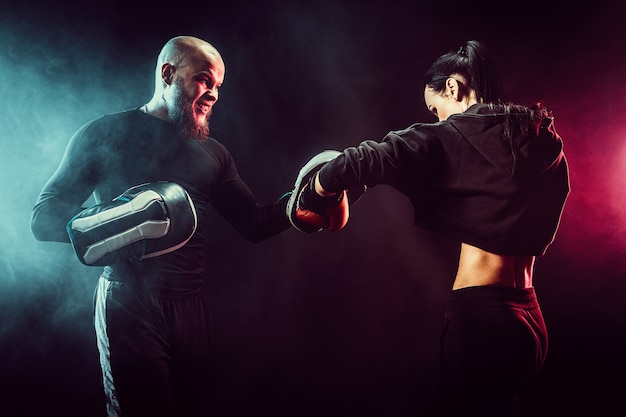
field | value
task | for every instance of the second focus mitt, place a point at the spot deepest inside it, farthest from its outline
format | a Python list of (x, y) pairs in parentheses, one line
[(145, 221)]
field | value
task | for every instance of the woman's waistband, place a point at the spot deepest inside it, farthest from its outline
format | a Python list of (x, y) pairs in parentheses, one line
[(492, 296)]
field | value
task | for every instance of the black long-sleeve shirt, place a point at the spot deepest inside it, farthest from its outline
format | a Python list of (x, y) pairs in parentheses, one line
[(493, 176), (118, 151)]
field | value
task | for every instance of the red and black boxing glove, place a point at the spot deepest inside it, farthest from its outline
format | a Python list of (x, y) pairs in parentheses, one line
[(321, 212), (309, 212)]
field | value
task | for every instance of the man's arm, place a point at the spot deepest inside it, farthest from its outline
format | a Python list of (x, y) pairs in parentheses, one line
[(254, 221), (63, 195)]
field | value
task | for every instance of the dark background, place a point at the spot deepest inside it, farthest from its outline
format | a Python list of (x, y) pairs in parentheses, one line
[(331, 324)]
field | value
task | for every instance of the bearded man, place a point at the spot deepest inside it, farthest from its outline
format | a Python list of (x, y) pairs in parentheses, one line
[(153, 172)]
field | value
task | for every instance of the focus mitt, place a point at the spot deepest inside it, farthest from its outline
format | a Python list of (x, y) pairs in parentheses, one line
[(145, 221)]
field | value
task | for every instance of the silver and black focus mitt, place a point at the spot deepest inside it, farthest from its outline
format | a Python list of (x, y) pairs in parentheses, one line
[(145, 221)]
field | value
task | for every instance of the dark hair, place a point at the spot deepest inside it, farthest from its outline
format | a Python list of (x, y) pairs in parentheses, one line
[(526, 118), (472, 61)]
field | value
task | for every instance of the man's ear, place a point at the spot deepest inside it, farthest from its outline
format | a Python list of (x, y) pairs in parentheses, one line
[(452, 88), (167, 73)]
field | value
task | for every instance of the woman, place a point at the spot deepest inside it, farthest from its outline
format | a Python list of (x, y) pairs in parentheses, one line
[(494, 177)]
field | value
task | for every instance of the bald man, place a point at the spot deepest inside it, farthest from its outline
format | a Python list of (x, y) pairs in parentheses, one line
[(151, 315)]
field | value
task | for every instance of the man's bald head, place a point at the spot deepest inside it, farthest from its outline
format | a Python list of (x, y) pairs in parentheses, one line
[(176, 49), (180, 49), (188, 76)]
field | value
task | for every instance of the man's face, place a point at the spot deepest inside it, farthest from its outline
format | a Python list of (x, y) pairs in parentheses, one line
[(181, 111), (195, 90)]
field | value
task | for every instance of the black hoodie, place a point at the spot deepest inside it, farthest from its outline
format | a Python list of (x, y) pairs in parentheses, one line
[(494, 176)]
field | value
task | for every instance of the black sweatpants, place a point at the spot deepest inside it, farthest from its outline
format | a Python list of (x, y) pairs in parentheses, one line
[(154, 351), (493, 342)]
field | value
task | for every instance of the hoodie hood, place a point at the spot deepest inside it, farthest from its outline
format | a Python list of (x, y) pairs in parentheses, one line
[(513, 139)]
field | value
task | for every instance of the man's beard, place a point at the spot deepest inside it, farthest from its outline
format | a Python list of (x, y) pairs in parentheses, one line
[(181, 114)]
